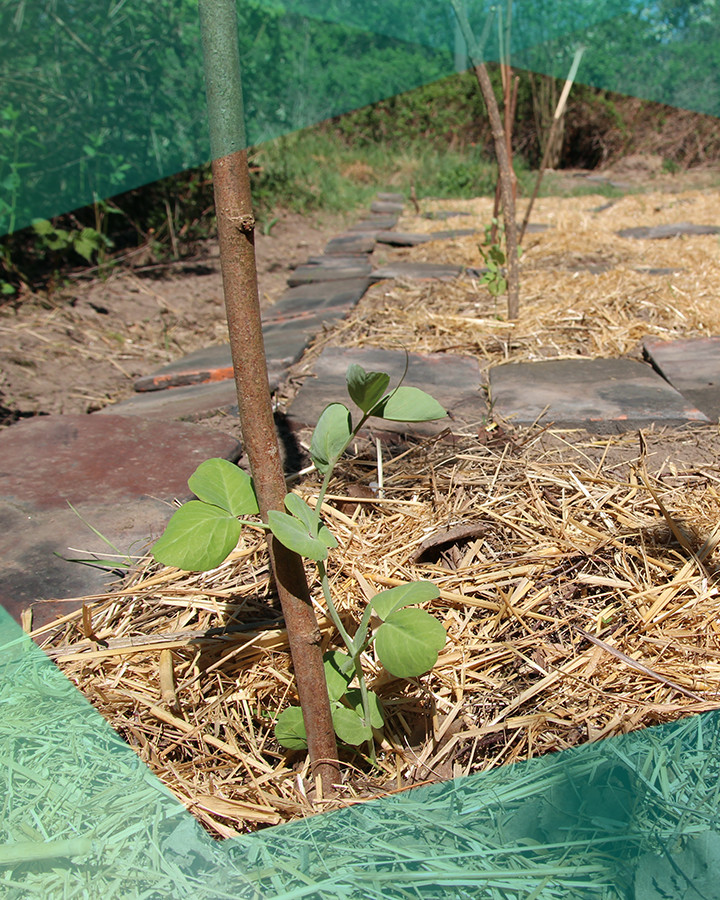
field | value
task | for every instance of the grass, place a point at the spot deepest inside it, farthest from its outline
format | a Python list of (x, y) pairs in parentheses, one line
[(315, 170)]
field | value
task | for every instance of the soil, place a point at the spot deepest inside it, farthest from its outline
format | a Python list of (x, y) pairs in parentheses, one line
[(81, 347)]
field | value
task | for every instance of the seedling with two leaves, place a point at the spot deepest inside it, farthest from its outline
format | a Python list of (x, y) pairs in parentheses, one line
[(203, 532)]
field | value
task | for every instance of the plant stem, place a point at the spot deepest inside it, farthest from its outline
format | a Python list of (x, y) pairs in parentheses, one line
[(355, 647), (236, 223), (559, 110), (332, 609)]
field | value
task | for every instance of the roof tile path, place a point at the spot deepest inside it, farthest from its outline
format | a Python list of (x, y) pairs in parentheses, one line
[(454, 381), (121, 476), (606, 395), (692, 367)]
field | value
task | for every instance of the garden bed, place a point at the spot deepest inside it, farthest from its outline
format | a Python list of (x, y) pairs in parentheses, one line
[(581, 604)]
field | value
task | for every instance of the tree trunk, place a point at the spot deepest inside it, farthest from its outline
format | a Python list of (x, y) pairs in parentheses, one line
[(236, 226), (505, 173), (506, 189)]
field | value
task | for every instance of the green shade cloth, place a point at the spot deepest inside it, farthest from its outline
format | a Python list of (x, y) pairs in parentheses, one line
[(631, 817), (105, 95)]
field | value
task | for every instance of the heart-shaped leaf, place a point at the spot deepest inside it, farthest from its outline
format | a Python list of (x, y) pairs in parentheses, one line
[(339, 672), (409, 404), (297, 507), (388, 601), (330, 437), (366, 388), (377, 718), (408, 642), (198, 537), (290, 729), (326, 537), (295, 536), (224, 484), (349, 726)]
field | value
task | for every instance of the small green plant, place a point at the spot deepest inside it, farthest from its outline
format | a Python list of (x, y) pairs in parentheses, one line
[(493, 254), (84, 241), (407, 640)]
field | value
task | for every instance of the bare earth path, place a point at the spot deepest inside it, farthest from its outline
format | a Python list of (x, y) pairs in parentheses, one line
[(81, 348)]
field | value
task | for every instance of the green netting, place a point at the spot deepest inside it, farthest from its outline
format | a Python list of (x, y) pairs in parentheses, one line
[(630, 817), (105, 95)]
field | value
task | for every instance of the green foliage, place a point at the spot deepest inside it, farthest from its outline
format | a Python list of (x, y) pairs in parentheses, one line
[(290, 729), (494, 279), (386, 602), (331, 436), (301, 530), (366, 389), (198, 537), (85, 241), (219, 482), (408, 641), (203, 532), (493, 254), (409, 404)]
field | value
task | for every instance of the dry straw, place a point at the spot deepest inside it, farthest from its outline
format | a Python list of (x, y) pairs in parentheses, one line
[(579, 594)]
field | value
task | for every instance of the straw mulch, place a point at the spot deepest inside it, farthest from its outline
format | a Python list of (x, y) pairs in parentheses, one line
[(567, 307), (578, 573)]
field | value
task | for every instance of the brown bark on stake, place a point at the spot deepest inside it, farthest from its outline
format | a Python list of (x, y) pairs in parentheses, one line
[(508, 201), (236, 225), (498, 133)]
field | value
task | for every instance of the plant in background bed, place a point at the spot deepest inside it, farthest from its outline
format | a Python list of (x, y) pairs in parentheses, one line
[(203, 532)]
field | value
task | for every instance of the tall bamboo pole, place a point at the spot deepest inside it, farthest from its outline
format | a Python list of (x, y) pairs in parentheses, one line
[(236, 234)]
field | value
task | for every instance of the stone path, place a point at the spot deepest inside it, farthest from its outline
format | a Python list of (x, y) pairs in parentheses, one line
[(454, 381), (596, 394), (121, 476), (122, 467)]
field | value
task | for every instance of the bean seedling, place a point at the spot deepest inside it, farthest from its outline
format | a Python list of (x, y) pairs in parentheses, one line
[(203, 532)]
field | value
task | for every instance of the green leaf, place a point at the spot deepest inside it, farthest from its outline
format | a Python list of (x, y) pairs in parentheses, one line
[(84, 248), (87, 242), (43, 227), (366, 388), (326, 537), (497, 255), (377, 718), (332, 432), (408, 642), (409, 404), (349, 726), (302, 511), (295, 536), (339, 672), (388, 601), (58, 241), (297, 507), (224, 484), (198, 537), (290, 729)]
